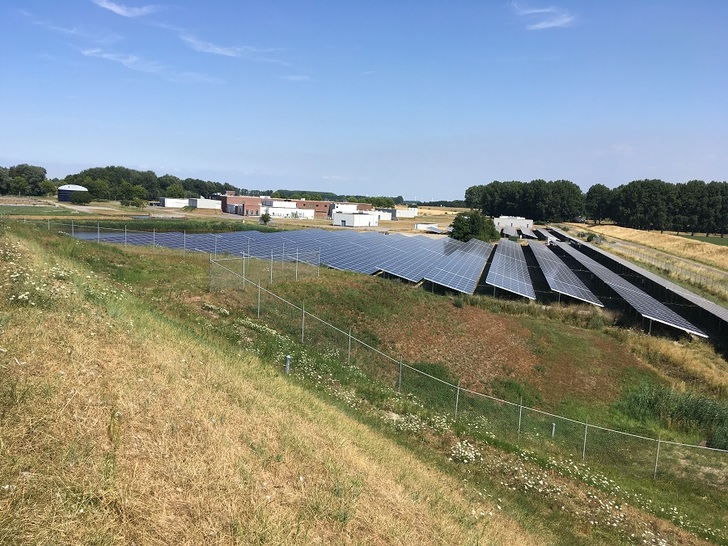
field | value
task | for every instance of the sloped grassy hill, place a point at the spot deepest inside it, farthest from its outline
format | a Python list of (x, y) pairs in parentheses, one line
[(133, 411), (119, 425)]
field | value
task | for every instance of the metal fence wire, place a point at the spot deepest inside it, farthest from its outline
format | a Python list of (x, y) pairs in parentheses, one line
[(488, 417), (483, 416)]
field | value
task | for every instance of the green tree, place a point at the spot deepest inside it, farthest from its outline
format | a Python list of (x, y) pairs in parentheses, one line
[(33, 175), (175, 191), (598, 202), (4, 181), (265, 218), (19, 186), (473, 225), (48, 188), (138, 192)]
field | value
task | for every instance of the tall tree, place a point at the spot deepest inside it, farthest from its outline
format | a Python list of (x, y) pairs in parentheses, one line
[(33, 175), (473, 225), (597, 202)]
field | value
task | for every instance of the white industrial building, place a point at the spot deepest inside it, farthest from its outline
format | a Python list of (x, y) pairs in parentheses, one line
[(202, 203), (285, 209), (512, 221), (355, 219), (173, 203)]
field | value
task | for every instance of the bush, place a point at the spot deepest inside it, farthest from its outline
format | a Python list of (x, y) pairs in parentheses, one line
[(81, 198)]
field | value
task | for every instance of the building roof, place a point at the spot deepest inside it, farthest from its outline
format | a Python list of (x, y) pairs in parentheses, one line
[(72, 187)]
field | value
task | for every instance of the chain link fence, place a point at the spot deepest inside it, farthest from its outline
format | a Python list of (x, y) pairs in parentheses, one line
[(480, 415)]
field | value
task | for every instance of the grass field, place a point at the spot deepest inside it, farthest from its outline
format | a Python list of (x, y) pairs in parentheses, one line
[(30, 210), (715, 240), (160, 414)]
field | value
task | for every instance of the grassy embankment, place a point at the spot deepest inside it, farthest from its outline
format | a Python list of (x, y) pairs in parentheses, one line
[(120, 424), (512, 477)]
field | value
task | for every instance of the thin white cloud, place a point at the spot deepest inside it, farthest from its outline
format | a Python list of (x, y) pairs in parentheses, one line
[(125, 11), (252, 53), (139, 64), (545, 18), (91, 36), (208, 47), (297, 78), (132, 62)]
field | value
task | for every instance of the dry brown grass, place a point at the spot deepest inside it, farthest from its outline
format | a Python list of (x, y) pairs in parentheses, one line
[(119, 426), (696, 365), (698, 251)]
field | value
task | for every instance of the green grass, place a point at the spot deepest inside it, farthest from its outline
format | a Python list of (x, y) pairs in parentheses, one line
[(715, 239), (174, 285), (27, 210)]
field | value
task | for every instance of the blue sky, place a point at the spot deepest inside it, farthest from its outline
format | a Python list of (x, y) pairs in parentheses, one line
[(417, 98)]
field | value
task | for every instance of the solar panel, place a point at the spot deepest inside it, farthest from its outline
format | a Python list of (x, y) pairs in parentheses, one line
[(559, 277), (460, 267), (707, 305), (509, 231), (509, 271), (526, 232), (643, 303)]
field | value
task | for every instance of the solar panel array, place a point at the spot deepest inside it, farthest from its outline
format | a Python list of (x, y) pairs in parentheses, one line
[(707, 305), (509, 270), (559, 277), (643, 303), (443, 261), (526, 232)]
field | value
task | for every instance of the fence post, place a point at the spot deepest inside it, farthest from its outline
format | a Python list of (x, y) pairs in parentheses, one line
[(215, 236), (520, 415), (288, 364), (348, 354), (209, 281), (49, 225), (318, 266), (283, 255), (303, 321), (583, 449), (243, 271), (657, 455), (184, 242), (154, 238), (399, 382), (73, 229), (457, 400), (297, 263), (258, 298), (271, 266), (124, 235), (98, 233)]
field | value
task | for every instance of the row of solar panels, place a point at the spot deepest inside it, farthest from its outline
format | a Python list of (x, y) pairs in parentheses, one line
[(442, 261)]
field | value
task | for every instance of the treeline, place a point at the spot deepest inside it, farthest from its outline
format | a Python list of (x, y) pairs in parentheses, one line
[(378, 201), (555, 201), (124, 184), (693, 207)]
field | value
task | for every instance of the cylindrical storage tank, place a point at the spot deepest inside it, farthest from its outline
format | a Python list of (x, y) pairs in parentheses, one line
[(65, 192)]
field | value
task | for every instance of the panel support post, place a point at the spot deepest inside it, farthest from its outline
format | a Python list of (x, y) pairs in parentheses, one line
[(583, 449), (457, 400), (657, 456)]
